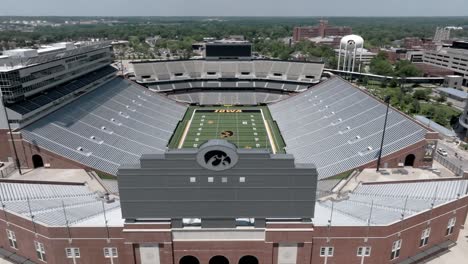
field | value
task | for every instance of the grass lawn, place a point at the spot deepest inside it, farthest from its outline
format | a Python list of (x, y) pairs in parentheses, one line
[(246, 127)]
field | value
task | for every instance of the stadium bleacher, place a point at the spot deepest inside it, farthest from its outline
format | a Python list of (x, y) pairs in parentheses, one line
[(391, 202), (54, 204), (51, 95), (228, 98), (112, 125), (305, 72), (186, 85), (342, 125)]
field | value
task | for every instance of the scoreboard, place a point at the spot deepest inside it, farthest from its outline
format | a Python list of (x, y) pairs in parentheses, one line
[(241, 50)]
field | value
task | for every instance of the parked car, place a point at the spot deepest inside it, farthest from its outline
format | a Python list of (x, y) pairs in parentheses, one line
[(442, 152)]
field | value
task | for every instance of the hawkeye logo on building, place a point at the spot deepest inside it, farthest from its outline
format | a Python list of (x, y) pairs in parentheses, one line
[(228, 111), (217, 157)]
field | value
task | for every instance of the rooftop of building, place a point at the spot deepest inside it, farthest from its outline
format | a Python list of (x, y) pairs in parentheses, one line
[(454, 92), (369, 198), (25, 57)]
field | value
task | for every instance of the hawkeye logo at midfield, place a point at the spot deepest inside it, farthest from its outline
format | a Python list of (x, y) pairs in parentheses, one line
[(228, 111)]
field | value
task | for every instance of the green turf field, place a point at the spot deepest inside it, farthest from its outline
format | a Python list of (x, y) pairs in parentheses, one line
[(246, 127)]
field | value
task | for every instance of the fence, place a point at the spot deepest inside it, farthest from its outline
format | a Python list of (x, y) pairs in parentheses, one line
[(457, 169)]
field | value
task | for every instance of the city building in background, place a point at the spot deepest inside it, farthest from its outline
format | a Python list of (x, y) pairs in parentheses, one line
[(453, 59), (323, 30)]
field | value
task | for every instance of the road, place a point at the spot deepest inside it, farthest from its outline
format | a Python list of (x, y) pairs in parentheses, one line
[(462, 156)]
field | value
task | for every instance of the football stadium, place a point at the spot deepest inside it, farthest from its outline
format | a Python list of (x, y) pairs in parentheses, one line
[(226, 159)]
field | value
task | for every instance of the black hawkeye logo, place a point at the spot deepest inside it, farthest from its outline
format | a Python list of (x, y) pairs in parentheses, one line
[(217, 159)]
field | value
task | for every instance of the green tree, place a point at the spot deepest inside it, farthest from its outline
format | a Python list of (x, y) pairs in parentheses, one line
[(441, 117), (405, 68), (415, 106), (381, 67), (393, 83), (442, 98), (421, 95)]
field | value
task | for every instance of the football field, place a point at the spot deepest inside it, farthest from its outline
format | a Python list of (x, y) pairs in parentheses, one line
[(245, 127)]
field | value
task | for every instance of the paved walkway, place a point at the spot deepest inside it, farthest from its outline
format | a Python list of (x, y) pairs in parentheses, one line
[(59, 175), (370, 175), (457, 254)]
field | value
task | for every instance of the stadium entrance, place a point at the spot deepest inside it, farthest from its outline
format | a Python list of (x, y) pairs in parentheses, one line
[(248, 260), (37, 161), (219, 260), (409, 160), (189, 260)]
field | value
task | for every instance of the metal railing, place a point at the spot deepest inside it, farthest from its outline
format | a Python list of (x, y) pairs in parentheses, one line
[(457, 169)]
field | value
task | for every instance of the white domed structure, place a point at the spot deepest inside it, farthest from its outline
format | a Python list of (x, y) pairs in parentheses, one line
[(351, 46)]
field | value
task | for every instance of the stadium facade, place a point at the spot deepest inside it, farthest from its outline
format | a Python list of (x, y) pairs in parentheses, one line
[(258, 192)]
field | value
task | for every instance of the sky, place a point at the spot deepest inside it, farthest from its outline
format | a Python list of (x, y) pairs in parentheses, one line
[(233, 8)]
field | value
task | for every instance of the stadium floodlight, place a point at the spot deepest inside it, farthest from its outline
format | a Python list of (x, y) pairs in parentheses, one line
[(387, 101)]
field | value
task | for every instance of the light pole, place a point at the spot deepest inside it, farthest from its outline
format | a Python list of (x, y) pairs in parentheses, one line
[(18, 165), (387, 101)]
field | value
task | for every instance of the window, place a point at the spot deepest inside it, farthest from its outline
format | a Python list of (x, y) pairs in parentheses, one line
[(12, 239), (224, 179), (363, 251), (424, 237), (210, 179), (193, 179), (110, 252), (40, 251), (72, 253), (241, 179), (396, 249), (450, 226), (326, 251)]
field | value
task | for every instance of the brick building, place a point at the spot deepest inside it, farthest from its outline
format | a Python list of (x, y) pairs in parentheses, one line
[(323, 30), (392, 236)]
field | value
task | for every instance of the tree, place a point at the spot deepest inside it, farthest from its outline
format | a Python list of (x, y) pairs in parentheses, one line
[(365, 80), (381, 67), (393, 83), (384, 83), (405, 68), (421, 95), (415, 106), (442, 98), (441, 117)]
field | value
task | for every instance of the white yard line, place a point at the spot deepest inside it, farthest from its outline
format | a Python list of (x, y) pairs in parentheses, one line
[(237, 129), (267, 127), (187, 128), (217, 127)]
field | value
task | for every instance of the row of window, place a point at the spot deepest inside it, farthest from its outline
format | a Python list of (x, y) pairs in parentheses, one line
[(73, 253), (361, 251), (211, 179), (111, 252), (396, 245)]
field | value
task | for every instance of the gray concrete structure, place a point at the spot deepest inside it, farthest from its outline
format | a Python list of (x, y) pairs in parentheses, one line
[(217, 183)]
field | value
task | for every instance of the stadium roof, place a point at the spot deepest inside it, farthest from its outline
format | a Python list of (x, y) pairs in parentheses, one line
[(110, 126), (14, 63), (338, 127)]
